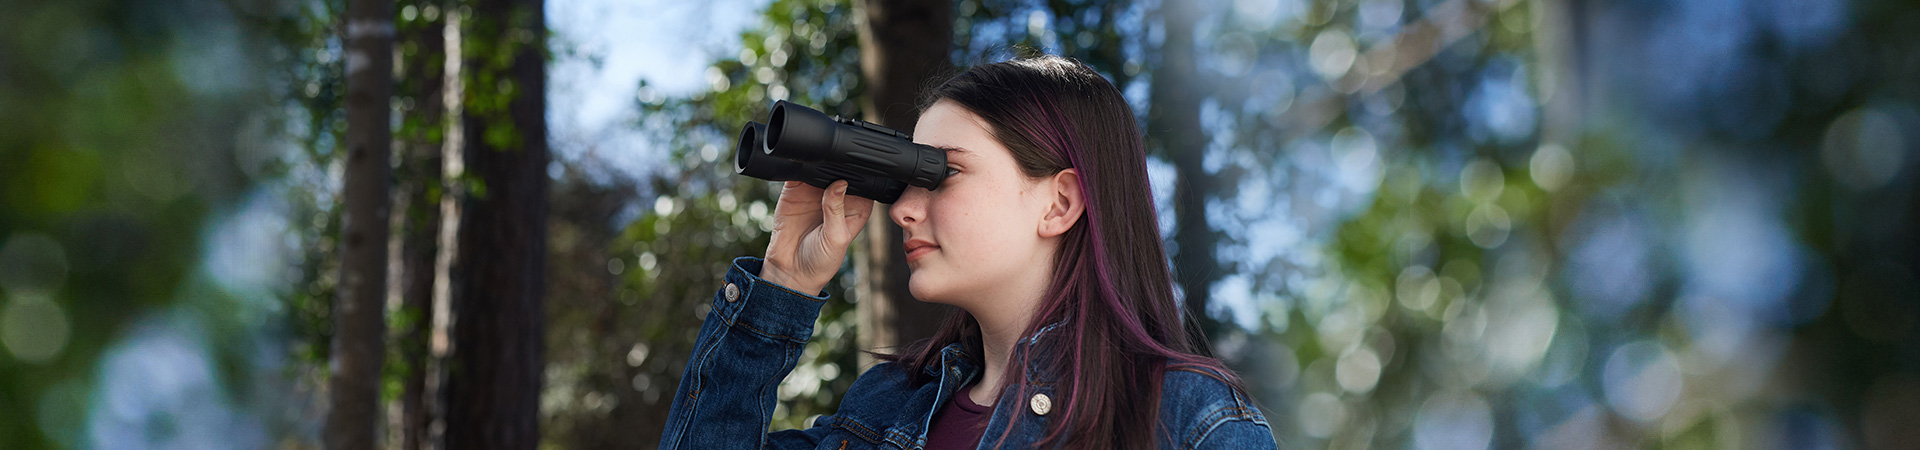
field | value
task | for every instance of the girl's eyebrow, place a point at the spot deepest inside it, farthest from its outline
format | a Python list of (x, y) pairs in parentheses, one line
[(953, 149)]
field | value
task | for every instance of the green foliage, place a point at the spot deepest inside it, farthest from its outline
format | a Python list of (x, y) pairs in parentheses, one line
[(118, 151), (1440, 284), (310, 84)]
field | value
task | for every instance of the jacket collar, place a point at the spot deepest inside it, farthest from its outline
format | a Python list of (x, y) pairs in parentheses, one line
[(955, 356)]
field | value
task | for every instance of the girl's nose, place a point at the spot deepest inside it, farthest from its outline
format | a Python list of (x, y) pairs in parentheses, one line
[(911, 207)]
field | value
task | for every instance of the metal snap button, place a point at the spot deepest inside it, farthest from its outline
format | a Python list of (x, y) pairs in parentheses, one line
[(733, 293), (1041, 404)]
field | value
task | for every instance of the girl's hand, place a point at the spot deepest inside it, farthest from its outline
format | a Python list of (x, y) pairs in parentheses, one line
[(812, 228)]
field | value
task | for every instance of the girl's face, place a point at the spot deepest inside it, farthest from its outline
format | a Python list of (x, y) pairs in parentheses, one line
[(981, 235)]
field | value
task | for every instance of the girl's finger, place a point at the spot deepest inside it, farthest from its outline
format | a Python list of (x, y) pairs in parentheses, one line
[(833, 205), (858, 210)]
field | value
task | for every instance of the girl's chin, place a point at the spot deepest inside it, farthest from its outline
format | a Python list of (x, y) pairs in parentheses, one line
[(923, 295), (920, 289)]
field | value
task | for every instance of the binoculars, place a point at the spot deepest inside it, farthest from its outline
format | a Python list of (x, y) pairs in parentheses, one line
[(801, 144)]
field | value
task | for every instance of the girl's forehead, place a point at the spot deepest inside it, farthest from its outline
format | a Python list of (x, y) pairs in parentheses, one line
[(960, 132)]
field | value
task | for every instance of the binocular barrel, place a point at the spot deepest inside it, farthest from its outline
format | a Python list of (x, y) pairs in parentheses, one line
[(751, 159), (801, 144)]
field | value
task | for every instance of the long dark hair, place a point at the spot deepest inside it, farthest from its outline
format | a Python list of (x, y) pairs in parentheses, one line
[(1112, 292)]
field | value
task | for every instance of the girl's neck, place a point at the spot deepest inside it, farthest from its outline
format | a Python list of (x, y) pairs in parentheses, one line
[(1003, 314), (997, 338)]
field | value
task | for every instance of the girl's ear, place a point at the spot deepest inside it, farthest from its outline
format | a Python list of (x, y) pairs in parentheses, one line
[(1066, 206)]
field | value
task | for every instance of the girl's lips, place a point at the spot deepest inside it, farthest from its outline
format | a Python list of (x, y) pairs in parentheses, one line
[(918, 248)]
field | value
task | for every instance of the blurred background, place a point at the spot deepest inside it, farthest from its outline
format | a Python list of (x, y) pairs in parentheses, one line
[(1427, 224)]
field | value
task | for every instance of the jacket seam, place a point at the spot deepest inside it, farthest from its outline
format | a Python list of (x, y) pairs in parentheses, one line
[(859, 430), (765, 391), (702, 364), (1220, 417), (705, 363)]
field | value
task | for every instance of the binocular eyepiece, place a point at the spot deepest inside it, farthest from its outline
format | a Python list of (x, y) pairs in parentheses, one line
[(801, 144)]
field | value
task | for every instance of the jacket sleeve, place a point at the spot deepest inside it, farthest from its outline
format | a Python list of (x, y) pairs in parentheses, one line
[(747, 345)]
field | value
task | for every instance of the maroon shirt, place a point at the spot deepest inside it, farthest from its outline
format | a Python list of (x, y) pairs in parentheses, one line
[(959, 424)]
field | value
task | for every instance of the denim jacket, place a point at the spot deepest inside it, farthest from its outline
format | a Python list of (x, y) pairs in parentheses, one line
[(758, 329)]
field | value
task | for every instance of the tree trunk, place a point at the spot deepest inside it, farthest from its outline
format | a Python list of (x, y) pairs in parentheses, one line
[(1173, 123), (359, 328), (453, 167), (903, 44), (499, 273), (1561, 44), (419, 204)]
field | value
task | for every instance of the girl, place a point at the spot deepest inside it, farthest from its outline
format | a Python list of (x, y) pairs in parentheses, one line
[(1046, 239)]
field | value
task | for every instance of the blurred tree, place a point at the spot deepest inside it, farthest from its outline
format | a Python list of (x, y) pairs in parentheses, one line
[(498, 274), (421, 95), (359, 338), (903, 45), (590, 316), (1174, 132)]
